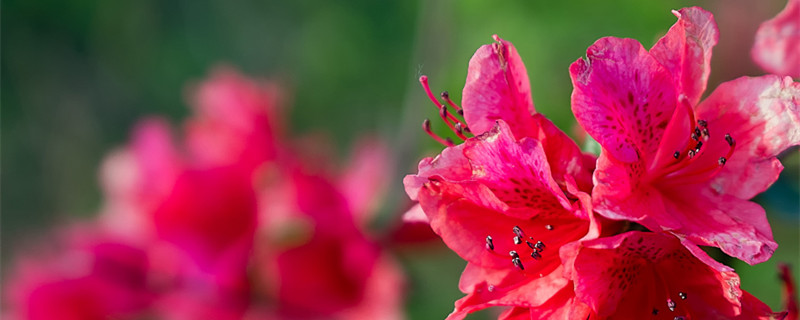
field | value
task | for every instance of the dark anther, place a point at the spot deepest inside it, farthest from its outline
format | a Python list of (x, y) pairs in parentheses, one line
[(517, 240), (459, 128), (445, 95), (539, 245), (702, 123), (722, 161), (513, 254), (517, 262), (698, 146), (676, 155), (536, 255), (549, 227), (489, 243), (730, 140), (697, 131), (518, 232), (426, 124), (466, 129), (705, 132), (692, 153), (460, 112), (655, 311), (695, 136), (671, 305), (530, 244), (682, 295)]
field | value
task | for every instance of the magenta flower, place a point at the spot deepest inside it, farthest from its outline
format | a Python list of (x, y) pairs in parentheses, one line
[(645, 275), (498, 199), (82, 275), (317, 261), (672, 164), (777, 45)]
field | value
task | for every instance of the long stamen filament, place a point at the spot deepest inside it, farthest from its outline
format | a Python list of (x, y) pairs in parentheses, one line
[(426, 126)]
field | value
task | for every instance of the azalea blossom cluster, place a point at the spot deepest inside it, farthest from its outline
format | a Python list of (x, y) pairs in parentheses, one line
[(230, 221), (551, 232)]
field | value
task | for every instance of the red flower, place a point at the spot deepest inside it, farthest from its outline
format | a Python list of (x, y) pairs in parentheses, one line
[(670, 163), (498, 199), (85, 275), (644, 275), (316, 260), (777, 45)]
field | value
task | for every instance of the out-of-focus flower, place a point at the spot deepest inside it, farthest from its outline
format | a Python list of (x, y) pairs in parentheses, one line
[(202, 226), (80, 275), (777, 45), (498, 199), (316, 259), (672, 164)]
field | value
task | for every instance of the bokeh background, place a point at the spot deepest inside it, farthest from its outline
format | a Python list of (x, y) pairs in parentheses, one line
[(76, 76)]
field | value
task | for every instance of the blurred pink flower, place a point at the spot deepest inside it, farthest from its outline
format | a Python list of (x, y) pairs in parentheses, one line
[(210, 219), (81, 275), (670, 163), (777, 45), (316, 259)]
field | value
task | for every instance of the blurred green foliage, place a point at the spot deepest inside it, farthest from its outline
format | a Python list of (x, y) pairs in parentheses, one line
[(76, 75)]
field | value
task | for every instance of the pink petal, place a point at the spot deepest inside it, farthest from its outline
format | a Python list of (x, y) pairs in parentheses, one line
[(777, 45), (518, 174), (621, 195), (630, 275), (534, 292), (738, 227), (450, 165), (686, 50), (563, 155), (497, 87), (210, 214), (563, 305), (237, 120), (515, 313), (465, 224), (763, 115), (623, 98), (366, 177)]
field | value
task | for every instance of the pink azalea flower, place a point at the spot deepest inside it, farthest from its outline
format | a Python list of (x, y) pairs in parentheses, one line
[(317, 262), (498, 199), (82, 275), (237, 120), (777, 45), (644, 275), (671, 163)]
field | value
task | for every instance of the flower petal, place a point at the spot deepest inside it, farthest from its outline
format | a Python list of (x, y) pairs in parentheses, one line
[(517, 173), (623, 98), (464, 225), (777, 45), (763, 116), (497, 87), (366, 177), (530, 293), (633, 276), (686, 50)]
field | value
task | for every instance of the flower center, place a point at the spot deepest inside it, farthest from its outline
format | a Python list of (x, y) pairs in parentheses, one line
[(456, 125), (519, 252), (692, 164)]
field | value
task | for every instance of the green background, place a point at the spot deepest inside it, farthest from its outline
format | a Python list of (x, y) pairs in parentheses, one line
[(76, 75)]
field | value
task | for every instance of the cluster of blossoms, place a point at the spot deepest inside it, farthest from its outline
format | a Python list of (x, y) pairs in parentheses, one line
[(230, 223), (551, 232)]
